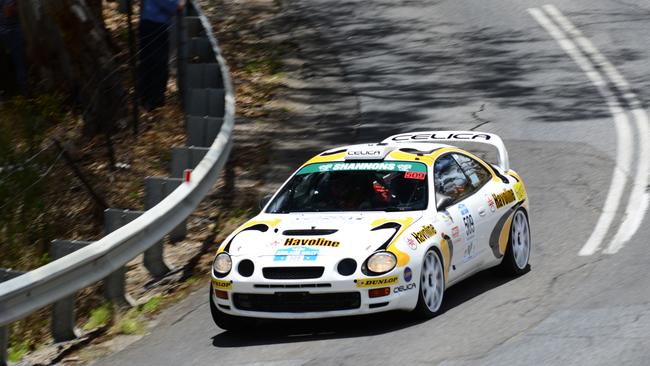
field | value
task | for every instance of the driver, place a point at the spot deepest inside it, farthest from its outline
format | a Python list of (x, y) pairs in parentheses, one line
[(350, 190)]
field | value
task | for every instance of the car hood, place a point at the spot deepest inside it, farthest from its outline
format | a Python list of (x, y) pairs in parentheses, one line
[(308, 235)]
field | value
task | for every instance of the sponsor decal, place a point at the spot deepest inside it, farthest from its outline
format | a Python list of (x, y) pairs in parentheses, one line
[(398, 166), (404, 167), (408, 274), (402, 288), (325, 167), (463, 209), (455, 232), (425, 233), (504, 198), (412, 243), (442, 136), (375, 282), (415, 175), (320, 242), (222, 285), (467, 254), (490, 202), (364, 153), (295, 253)]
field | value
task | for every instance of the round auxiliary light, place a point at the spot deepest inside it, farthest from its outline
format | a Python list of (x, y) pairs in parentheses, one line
[(222, 264), (381, 262), (246, 268), (347, 266)]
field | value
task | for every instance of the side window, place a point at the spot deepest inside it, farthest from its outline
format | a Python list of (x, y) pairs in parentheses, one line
[(449, 179), (476, 172)]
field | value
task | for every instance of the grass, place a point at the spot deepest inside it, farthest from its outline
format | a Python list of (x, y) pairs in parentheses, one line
[(131, 323), (16, 352), (152, 305), (99, 317), (134, 320), (263, 66)]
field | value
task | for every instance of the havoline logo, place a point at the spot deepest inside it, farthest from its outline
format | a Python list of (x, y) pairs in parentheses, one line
[(425, 233), (320, 242), (504, 198)]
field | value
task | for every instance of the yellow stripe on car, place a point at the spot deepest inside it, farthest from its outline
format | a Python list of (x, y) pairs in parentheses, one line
[(269, 223), (402, 258), (446, 256), (325, 158), (505, 233)]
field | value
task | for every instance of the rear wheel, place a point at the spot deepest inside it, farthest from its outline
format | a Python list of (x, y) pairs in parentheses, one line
[(229, 322), (432, 285), (515, 260)]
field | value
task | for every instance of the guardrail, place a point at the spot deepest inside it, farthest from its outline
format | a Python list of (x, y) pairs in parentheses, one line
[(209, 105)]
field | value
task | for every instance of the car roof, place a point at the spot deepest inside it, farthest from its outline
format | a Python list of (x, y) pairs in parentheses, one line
[(391, 152)]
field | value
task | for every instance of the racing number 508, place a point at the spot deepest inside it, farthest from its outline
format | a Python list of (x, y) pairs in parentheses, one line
[(469, 224)]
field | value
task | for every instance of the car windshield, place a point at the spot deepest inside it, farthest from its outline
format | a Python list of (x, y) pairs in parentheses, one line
[(354, 186)]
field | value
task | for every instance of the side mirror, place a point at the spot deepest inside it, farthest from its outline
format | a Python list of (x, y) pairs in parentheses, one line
[(444, 202), (265, 200)]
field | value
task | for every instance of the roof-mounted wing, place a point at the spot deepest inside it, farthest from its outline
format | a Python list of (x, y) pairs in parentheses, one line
[(455, 136)]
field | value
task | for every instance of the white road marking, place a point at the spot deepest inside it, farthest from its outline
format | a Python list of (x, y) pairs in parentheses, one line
[(621, 121), (639, 198)]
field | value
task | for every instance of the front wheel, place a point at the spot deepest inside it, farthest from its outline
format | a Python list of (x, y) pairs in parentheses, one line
[(229, 322), (432, 285), (515, 260)]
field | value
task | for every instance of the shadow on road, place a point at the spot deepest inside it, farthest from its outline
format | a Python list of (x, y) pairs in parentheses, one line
[(291, 331)]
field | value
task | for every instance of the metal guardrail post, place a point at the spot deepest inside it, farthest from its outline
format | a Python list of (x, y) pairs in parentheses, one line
[(204, 102), (186, 158), (63, 325), (114, 284), (201, 131), (155, 190), (5, 275)]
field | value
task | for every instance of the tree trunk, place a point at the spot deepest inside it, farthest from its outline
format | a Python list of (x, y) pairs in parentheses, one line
[(68, 46)]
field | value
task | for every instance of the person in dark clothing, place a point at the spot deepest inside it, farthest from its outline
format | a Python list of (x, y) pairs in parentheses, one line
[(11, 37), (153, 70)]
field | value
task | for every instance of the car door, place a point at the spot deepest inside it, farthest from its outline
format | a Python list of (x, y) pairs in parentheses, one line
[(483, 204), (455, 198)]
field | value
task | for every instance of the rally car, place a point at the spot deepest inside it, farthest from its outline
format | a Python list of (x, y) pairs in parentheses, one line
[(374, 227)]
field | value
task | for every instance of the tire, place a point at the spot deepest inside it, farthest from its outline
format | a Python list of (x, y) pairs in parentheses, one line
[(229, 322), (432, 286), (515, 260)]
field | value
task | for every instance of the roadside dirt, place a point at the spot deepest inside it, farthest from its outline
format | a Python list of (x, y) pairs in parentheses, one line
[(292, 101)]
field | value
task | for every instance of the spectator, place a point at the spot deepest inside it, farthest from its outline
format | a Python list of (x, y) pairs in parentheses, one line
[(155, 20), (11, 37)]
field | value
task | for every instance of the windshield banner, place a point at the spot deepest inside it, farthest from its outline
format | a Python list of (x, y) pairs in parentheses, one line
[(393, 166)]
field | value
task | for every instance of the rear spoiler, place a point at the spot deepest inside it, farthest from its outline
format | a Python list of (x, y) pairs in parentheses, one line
[(455, 136)]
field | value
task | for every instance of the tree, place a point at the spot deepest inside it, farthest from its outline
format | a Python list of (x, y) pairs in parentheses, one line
[(71, 53)]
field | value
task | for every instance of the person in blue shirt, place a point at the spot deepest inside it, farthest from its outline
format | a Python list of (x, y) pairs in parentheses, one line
[(11, 37), (153, 71)]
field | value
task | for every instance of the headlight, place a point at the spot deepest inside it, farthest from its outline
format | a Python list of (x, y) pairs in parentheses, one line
[(222, 264), (381, 262)]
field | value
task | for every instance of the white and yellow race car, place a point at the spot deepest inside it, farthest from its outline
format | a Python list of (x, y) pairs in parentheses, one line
[(374, 227)]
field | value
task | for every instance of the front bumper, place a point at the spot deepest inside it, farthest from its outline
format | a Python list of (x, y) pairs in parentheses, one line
[(306, 299)]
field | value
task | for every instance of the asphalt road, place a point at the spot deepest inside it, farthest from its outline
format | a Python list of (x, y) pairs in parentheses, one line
[(386, 66)]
